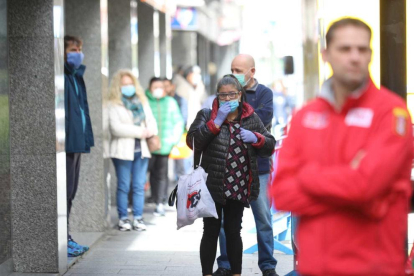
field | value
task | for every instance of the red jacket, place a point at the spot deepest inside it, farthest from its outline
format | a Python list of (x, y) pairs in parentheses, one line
[(352, 217)]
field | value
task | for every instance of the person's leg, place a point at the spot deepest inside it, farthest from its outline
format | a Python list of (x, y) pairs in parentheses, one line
[(233, 214), (154, 175), (72, 181), (264, 227), (162, 178), (151, 165), (139, 169), (208, 245), (179, 169), (123, 175), (222, 260)]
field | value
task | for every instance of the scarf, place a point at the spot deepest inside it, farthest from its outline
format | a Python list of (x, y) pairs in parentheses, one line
[(135, 106)]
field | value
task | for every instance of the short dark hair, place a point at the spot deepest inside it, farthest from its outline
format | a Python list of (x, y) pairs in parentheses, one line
[(232, 80), (72, 39), (154, 79), (167, 79), (347, 21)]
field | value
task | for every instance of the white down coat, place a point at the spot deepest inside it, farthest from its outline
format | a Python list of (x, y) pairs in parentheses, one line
[(124, 131)]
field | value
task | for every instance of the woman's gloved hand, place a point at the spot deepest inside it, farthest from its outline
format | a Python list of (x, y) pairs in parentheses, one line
[(222, 113), (248, 136)]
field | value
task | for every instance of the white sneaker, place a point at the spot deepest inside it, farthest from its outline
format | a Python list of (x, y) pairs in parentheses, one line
[(139, 225), (124, 225), (159, 211)]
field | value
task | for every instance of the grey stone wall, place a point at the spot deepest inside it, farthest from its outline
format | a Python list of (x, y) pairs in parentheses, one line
[(146, 58), (119, 33), (184, 48), (5, 235), (82, 18), (33, 159)]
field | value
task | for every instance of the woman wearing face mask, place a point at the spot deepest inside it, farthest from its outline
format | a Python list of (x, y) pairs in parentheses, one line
[(130, 122), (230, 136), (170, 128)]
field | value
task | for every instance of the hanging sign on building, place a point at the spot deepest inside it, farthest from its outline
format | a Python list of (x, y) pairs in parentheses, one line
[(185, 19)]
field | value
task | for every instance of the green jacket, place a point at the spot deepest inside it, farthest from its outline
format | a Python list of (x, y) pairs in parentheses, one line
[(169, 121)]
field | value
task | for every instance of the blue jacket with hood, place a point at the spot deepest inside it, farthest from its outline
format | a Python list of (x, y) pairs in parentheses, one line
[(78, 126)]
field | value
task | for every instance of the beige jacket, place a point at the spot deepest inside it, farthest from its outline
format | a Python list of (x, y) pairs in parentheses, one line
[(124, 131)]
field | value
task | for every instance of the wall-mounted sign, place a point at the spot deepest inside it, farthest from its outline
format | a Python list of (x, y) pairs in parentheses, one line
[(185, 19)]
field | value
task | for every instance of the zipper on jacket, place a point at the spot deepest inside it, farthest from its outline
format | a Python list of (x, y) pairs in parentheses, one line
[(227, 156), (250, 171)]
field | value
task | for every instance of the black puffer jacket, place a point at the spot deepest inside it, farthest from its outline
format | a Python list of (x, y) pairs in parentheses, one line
[(214, 144)]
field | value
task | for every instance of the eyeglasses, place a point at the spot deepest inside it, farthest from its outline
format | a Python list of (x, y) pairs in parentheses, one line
[(231, 95)]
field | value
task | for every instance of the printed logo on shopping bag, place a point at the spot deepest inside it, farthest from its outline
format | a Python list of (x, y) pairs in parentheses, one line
[(193, 199)]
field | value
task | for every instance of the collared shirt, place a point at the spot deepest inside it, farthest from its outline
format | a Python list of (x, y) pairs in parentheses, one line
[(254, 87)]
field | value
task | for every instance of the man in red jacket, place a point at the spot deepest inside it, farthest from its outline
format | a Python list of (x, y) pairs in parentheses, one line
[(344, 169)]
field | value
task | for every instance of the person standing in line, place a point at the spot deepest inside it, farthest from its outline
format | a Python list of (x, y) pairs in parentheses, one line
[(78, 126), (181, 166), (260, 98), (190, 86), (170, 128), (230, 137), (351, 189), (130, 122)]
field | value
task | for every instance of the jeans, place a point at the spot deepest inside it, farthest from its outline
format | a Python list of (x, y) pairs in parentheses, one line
[(126, 169), (232, 214), (264, 229), (73, 161), (159, 177)]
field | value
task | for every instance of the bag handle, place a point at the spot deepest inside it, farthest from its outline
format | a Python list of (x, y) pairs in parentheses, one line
[(201, 156), (173, 197)]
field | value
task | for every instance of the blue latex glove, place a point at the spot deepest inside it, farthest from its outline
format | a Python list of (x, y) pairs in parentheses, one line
[(248, 136), (222, 113)]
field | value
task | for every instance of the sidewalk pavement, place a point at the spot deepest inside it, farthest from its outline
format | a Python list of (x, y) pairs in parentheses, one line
[(162, 250)]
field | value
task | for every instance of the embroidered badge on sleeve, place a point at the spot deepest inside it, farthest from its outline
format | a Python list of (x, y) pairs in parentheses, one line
[(400, 120)]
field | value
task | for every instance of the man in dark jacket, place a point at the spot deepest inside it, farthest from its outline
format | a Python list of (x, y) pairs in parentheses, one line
[(260, 98), (78, 127)]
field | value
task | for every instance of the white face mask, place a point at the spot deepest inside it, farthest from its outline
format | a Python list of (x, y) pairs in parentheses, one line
[(196, 79), (158, 93)]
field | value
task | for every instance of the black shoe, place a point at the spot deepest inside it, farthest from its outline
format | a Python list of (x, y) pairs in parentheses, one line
[(222, 272), (270, 272)]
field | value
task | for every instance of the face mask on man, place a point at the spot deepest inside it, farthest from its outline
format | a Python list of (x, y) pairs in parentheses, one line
[(75, 59), (234, 104), (241, 78), (158, 93), (128, 90)]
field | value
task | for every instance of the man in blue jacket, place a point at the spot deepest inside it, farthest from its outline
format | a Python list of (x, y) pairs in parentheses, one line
[(260, 98), (78, 127)]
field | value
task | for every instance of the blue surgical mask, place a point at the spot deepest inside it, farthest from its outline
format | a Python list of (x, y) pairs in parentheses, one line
[(75, 59), (128, 90), (234, 104)]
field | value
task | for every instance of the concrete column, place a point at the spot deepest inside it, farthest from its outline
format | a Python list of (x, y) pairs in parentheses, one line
[(203, 60), (37, 191), (119, 34), (82, 18), (184, 48), (146, 56), (5, 211), (165, 45), (310, 49), (393, 25)]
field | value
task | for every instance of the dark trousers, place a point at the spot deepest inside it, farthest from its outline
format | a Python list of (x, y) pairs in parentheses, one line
[(158, 168), (73, 161), (233, 214)]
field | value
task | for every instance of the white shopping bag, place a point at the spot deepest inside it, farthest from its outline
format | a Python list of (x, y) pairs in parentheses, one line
[(193, 198)]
